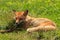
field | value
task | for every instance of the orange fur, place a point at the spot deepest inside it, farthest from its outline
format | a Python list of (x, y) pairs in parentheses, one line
[(36, 23)]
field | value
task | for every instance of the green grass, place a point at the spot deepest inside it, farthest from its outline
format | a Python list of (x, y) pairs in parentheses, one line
[(37, 8)]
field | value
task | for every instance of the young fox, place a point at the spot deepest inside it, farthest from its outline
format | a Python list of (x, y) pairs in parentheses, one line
[(36, 23)]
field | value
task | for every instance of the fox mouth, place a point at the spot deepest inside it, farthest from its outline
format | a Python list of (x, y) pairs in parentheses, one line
[(21, 21)]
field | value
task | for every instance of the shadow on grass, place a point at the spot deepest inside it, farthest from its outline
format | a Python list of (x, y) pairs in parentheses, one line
[(12, 26)]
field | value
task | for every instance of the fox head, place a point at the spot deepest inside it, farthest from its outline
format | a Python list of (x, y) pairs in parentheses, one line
[(20, 16)]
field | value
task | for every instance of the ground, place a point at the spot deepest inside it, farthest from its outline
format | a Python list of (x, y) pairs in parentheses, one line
[(37, 8)]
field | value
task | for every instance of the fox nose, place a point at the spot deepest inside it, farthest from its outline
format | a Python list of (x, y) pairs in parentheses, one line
[(16, 23)]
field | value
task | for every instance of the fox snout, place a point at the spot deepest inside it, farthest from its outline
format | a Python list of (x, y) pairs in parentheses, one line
[(17, 21)]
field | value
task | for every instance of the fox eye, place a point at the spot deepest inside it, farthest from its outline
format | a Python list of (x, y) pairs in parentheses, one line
[(16, 18)]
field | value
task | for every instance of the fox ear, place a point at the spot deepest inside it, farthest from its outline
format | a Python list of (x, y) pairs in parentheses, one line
[(25, 12), (14, 10)]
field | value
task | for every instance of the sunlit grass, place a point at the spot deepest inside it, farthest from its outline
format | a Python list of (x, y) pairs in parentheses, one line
[(37, 8)]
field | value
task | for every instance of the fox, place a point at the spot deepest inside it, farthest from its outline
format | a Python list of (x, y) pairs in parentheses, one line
[(33, 24)]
